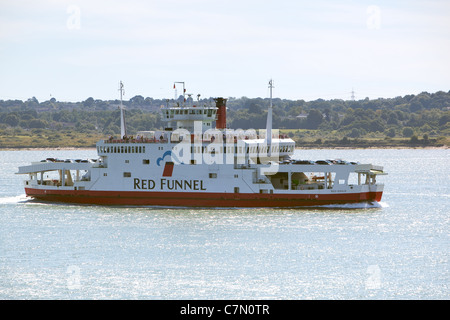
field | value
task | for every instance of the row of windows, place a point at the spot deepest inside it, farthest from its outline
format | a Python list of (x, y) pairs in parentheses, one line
[(144, 161), (265, 149), (211, 175), (171, 112), (253, 149), (194, 149), (214, 175), (121, 149)]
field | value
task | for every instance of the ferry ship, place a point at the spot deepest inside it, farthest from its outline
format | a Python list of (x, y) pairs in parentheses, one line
[(196, 161)]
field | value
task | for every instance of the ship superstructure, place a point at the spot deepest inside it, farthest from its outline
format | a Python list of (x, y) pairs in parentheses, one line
[(196, 161)]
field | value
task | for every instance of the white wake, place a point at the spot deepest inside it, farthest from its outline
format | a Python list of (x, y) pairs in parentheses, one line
[(360, 205), (14, 199)]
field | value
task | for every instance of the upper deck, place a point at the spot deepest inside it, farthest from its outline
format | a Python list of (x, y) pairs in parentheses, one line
[(192, 113), (186, 115)]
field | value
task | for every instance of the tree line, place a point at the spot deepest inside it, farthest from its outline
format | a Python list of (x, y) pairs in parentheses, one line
[(418, 117)]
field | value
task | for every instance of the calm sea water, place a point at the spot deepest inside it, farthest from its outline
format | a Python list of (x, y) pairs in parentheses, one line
[(396, 250)]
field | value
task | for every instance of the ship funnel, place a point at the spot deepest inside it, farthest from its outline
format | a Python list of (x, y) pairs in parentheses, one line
[(221, 104)]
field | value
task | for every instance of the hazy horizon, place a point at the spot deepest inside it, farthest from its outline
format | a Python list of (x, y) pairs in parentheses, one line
[(73, 50)]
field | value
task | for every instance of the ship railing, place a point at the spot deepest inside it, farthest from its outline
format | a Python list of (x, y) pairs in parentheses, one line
[(154, 140), (164, 140), (143, 140)]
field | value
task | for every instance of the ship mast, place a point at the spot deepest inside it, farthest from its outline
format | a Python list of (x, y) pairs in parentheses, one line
[(123, 128), (184, 90), (269, 119)]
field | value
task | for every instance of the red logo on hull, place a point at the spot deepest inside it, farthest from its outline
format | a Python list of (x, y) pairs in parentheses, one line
[(168, 169)]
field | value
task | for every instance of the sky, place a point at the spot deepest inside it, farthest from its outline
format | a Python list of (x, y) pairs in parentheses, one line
[(72, 50)]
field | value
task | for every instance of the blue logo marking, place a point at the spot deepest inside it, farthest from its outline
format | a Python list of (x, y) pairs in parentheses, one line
[(167, 153)]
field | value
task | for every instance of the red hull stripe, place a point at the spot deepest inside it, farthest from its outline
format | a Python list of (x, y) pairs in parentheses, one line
[(198, 199)]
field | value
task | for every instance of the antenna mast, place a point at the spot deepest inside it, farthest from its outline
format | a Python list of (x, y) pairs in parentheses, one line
[(269, 118), (123, 128)]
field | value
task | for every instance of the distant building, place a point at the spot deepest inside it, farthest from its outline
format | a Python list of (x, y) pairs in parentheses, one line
[(302, 115)]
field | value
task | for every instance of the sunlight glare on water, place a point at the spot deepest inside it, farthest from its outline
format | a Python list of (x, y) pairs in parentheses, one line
[(395, 249)]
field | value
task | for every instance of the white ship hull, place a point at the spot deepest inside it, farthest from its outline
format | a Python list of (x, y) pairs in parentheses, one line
[(146, 178)]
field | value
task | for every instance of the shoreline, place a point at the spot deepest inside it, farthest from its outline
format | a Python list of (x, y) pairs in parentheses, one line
[(297, 148), (46, 148), (381, 148)]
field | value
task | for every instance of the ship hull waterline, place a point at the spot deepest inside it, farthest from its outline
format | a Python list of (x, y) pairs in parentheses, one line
[(199, 199)]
